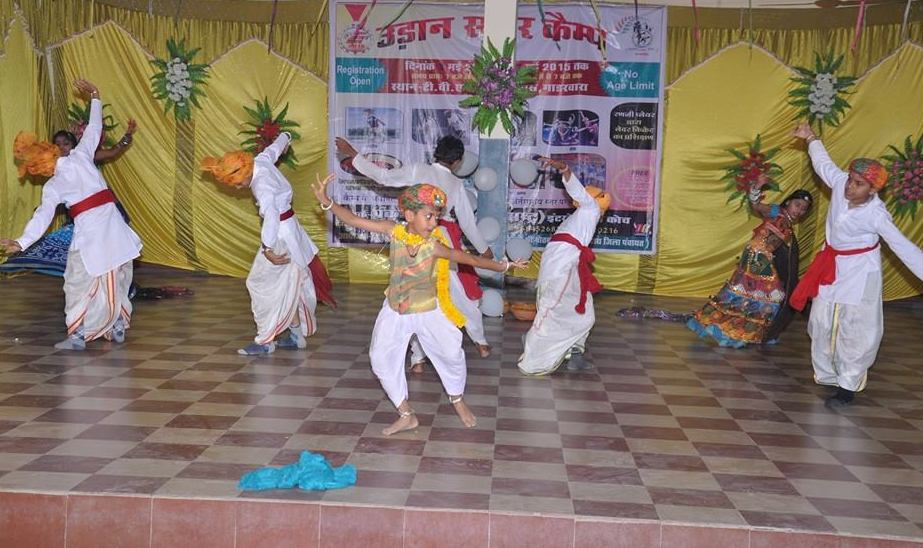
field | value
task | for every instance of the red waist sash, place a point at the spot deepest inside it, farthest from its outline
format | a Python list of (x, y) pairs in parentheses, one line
[(588, 282), (93, 200), (287, 215), (323, 287), (821, 272), (466, 274)]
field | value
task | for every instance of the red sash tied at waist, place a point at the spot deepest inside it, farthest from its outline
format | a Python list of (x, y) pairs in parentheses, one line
[(93, 200), (323, 287), (821, 272), (588, 282), (466, 273), (287, 215)]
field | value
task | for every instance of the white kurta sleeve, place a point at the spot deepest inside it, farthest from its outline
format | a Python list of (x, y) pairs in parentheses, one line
[(400, 177), (41, 218), (578, 193), (906, 251), (93, 132), (824, 166), (269, 234), (276, 149), (466, 220)]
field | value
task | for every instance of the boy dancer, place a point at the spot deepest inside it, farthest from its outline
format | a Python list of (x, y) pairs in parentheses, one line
[(845, 277), (565, 312), (99, 261), (466, 292), (287, 277), (417, 300)]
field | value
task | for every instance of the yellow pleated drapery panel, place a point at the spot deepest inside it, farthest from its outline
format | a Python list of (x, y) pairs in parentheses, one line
[(19, 70), (722, 92)]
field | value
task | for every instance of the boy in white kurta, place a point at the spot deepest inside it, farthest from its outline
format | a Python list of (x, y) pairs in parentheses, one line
[(466, 292), (286, 278), (99, 262), (844, 279), (564, 298), (417, 301)]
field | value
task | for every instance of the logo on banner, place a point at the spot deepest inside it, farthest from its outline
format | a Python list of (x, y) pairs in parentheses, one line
[(355, 38), (638, 28)]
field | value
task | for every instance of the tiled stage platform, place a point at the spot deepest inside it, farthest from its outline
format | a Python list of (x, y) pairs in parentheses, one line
[(669, 441)]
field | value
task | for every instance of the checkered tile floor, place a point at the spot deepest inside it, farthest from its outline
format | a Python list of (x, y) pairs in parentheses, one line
[(666, 427)]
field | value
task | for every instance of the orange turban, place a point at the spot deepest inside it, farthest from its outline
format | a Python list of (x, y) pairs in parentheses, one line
[(33, 156), (872, 171), (234, 168), (603, 198)]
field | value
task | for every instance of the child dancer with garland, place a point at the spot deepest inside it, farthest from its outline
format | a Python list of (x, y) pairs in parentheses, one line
[(417, 300)]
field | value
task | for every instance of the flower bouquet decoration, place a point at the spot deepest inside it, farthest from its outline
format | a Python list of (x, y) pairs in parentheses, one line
[(497, 89), (905, 177), (264, 127), (820, 93), (179, 83), (751, 166)]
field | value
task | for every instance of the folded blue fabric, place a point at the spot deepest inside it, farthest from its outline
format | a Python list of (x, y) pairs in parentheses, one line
[(311, 472)]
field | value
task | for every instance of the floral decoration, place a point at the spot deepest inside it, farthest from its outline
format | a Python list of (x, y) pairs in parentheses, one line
[(905, 177), (180, 81), (497, 88), (747, 169), (264, 128), (820, 92)]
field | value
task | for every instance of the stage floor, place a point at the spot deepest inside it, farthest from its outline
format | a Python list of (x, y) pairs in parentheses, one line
[(667, 427)]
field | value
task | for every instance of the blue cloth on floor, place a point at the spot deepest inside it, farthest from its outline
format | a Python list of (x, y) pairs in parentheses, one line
[(311, 472)]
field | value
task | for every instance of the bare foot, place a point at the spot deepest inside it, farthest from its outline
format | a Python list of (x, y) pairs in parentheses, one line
[(417, 368), (465, 414), (484, 350), (404, 423)]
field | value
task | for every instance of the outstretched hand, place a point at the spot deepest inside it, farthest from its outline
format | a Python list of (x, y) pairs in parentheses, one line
[(132, 127), (85, 87), (519, 263), (804, 131), (10, 246), (320, 189), (345, 148), (558, 165)]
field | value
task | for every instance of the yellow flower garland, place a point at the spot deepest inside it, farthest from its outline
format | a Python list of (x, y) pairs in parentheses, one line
[(442, 272)]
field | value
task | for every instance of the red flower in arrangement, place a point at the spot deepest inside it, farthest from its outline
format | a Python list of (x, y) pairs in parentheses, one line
[(905, 177), (753, 168), (264, 128)]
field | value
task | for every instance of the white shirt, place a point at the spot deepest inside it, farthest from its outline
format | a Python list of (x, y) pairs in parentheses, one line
[(559, 258), (856, 228), (273, 195), (102, 236), (439, 176)]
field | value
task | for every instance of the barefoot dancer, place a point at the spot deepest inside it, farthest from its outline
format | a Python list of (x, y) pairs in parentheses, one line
[(417, 300)]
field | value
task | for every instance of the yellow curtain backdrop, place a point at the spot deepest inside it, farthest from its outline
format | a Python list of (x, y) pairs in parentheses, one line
[(721, 93), (18, 111)]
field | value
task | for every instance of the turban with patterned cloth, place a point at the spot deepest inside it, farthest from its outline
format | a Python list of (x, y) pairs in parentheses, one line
[(416, 197), (234, 168), (33, 156), (870, 170)]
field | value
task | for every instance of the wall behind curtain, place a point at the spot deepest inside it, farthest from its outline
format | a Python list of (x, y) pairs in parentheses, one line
[(721, 93)]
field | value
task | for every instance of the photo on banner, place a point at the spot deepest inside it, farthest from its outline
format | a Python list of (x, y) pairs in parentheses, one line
[(602, 114), (396, 93)]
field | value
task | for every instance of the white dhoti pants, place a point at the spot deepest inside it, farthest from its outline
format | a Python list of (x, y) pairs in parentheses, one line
[(557, 327), (280, 295), (845, 337), (95, 302), (440, 339)]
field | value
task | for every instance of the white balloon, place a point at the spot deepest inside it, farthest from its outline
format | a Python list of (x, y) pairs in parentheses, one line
[(485, 178), (518, 249), (490, 228), (468, 165), (472, 198), (523, 172), (492, 303)]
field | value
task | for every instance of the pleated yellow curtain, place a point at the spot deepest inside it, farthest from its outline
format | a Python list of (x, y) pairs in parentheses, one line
[(721, 92)]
